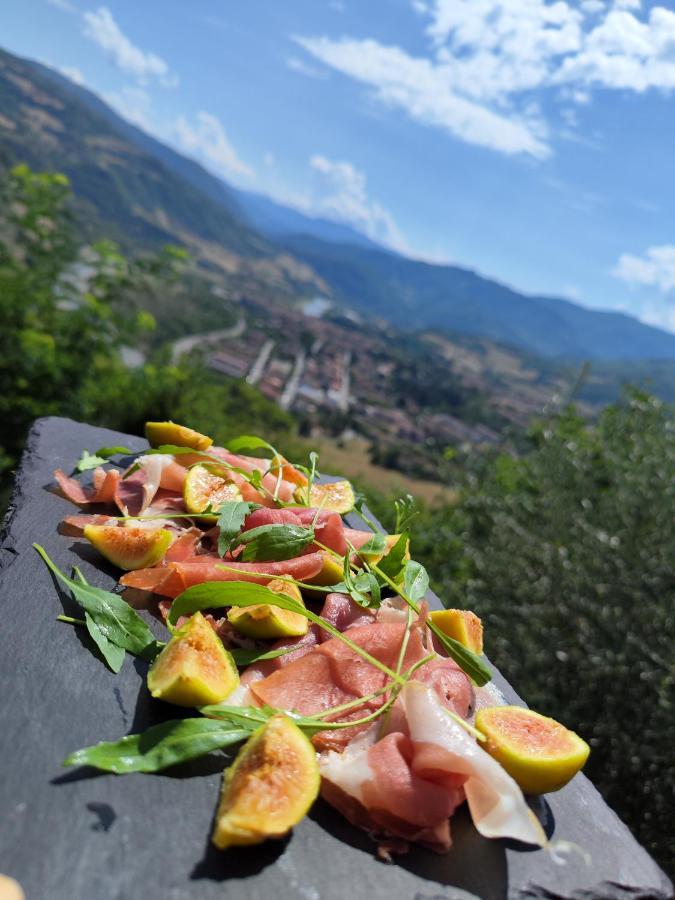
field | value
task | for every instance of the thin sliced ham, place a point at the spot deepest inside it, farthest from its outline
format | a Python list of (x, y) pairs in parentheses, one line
[(280, 488), (374, 787), (343, 613), (442, 747), (407, 785), (104, 485), (267, 516), (179, 576), (328, 527), (73, 526), (130, 494)]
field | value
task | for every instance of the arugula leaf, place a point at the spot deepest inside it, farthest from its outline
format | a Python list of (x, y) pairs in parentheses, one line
[(161, 746), (392, 564), (116, 620), (112, 654), (415, 580), (88, 461), (230, 519), (259, 715), (250, 442), (107, 452), (244, 657), (375, 544), (405, 512), (270, 543)]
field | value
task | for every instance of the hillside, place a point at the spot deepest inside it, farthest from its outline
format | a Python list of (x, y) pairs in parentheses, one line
[(134, 188), (408, 293)]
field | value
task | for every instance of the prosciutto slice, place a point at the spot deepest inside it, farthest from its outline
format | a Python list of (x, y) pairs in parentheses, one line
[(408, 785), (178, 576), (104, 486)]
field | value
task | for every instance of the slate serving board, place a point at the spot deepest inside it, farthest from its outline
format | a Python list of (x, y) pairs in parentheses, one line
[(81, 835)]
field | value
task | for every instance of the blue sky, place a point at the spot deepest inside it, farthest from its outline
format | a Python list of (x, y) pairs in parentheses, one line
[(533, 141)]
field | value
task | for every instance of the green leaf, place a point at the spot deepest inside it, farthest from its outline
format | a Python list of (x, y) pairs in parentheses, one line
[(160, 746), (250, 442), (466, 659), (375, 544), (88, 461), (112, 654), (244, 657), (230, 519), (115, 619), (214, 595), (392, 564), (107, 452), (253, 716), (405, 512), (270, 543), (415, 580)]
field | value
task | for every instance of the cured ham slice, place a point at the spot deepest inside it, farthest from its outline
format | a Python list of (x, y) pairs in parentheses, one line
[(73, 526), (496, 803), (373, 785), (280, 488), (130, 494), (333, 674), (328, 527), (104, 486), (408, 785), (357, 538), (267, 516), (179, 576), (343, 613)]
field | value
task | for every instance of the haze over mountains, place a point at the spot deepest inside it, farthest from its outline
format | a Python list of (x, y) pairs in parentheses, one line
[(135, 188)]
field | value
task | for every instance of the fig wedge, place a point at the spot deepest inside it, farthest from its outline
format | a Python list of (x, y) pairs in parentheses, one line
[(129, 547), (265, 621), (270, 786), (194, 669)]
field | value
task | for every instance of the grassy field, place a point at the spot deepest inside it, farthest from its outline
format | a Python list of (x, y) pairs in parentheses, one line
[(351, 460)]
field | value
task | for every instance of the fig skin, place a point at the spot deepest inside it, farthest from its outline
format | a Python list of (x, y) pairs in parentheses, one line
[(266, 622), (540, 754), (269, 788), (331, 571), (194, 669), (158, 433), (462, 625), (129, 547)]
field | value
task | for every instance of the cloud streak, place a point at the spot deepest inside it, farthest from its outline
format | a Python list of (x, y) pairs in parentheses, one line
[(101, 28), (486, 58)]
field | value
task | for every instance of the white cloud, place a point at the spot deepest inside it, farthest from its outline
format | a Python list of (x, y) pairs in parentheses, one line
[(303, 68), (101, 28), (63, 5), (486, 58), (425, 90), (134, 105), (655, 269), (205, 138), (340, 194), (73, 73)]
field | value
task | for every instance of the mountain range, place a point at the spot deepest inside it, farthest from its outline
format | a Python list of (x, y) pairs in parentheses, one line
[(137, 189)]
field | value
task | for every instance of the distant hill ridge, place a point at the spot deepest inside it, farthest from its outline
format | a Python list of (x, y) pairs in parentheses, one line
[(140, 189)]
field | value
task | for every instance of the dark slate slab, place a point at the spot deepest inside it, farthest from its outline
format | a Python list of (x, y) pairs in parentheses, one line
[(78, 835)]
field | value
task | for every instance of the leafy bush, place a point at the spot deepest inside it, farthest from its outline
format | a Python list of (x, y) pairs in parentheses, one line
[(567, 554)]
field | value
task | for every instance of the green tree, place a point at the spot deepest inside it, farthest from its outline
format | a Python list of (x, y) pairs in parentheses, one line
[(567, 555)]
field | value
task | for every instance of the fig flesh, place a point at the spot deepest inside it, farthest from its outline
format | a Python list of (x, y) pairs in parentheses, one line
[(129, 547), (540, 754), (462, 625), (270, 786), (194, 669), (208, 487), (336, 496)]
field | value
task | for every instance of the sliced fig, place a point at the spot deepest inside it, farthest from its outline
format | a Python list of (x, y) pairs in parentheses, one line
[(159, 433), (331, 571), (265, 621), (207, 487), (270, 786), (462, 625), (540, 754), (194, 669), (129, 547), (336, 496)]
